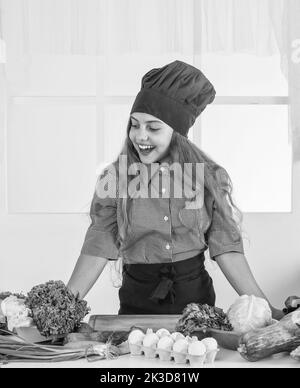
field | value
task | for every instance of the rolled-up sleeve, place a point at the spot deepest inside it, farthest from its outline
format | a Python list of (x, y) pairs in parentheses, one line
[(101, 238), (223, 236)]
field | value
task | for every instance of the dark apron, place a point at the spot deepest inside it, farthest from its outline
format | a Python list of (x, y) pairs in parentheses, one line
[(165, 288)]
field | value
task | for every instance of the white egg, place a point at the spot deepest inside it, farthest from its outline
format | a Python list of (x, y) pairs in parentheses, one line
[(176, 335), (210, 343), (136, 337), (181, 345), (162, 332), (150, 340), (148, 331), (191, 339), (196, 348), (165, 342)]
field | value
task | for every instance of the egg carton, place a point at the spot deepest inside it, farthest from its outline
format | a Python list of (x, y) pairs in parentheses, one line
[(171, 355)]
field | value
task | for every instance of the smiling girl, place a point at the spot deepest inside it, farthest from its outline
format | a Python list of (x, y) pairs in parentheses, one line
[(145, 127), (161, 239)]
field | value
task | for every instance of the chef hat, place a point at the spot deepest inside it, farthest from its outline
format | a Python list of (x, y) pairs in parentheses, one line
[(176, 94)]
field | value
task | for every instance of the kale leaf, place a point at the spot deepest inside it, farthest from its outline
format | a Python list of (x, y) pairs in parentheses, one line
[(202, 315)]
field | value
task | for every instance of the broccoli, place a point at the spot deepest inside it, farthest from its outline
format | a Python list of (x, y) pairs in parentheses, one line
[(55, 309)]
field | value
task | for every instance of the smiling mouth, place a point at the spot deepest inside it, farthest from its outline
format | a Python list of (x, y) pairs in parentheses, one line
[(145, 149)]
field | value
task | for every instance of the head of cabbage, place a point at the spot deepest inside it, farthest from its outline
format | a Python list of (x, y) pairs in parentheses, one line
[(249, 312)]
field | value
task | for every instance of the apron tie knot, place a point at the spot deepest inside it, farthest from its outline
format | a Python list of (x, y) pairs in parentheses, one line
[(165, 287)]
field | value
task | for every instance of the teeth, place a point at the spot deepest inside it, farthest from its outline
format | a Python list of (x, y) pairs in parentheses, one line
[(145, 147)]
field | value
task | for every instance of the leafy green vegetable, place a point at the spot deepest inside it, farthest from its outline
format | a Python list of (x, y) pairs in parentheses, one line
[(55, 309), (202, 315), (4, 295)]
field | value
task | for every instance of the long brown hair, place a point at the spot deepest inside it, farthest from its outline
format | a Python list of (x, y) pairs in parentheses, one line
[(181, 150), (216, 179)]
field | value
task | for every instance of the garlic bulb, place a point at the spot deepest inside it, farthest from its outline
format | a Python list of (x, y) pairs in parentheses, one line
[(162, 332), (12, 305), (196, 348), (16, 312), (150, 340), (2, 308), (210, 343), (165, 342), (176, 335), (2, 316), (181, 345), (136, 337), (16, 321)]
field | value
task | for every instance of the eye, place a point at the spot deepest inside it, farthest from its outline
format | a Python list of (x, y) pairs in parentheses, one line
[(150, 128)]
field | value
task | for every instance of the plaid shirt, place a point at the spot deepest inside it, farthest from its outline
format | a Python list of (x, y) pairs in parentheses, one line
[(160, 230)]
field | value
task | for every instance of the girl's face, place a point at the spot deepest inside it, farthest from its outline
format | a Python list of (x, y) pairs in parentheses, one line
[(147, 130)]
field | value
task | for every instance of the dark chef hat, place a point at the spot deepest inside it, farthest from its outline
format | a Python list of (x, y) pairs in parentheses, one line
[(176, 93)]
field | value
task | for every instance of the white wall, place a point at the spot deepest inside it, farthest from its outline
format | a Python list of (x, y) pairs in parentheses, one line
[(273, 252)]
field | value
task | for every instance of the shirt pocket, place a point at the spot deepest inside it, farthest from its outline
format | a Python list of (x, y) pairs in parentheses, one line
[(144, 215), (195, 219)]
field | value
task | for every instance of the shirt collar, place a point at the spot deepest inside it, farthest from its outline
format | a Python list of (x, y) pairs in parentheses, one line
[(154, 168)]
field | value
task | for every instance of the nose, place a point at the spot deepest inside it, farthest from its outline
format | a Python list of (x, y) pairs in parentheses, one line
[(142, 135)]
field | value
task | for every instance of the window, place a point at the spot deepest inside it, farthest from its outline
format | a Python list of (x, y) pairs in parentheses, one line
[(245, 129), (51, 137)]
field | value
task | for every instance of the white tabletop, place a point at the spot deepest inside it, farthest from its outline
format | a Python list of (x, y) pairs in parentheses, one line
[(225, 359)]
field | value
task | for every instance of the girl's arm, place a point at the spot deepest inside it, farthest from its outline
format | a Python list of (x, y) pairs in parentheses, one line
[(86, 272), (236, 269)]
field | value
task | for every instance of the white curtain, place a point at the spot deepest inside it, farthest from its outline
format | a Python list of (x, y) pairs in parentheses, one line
[(103, 27), (137, 26), (290, 52), (95, 26)]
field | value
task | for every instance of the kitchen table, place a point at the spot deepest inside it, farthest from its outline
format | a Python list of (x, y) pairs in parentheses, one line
[(225, 359)]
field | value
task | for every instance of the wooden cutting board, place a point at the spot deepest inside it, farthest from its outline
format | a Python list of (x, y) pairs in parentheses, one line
[(225, 339), (125, 322)]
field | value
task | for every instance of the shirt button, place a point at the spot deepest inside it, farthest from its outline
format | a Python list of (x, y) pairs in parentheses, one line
[(166, 218), (168, 246)]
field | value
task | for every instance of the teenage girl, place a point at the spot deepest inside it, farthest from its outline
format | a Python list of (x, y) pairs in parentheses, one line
[(161, 238)]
